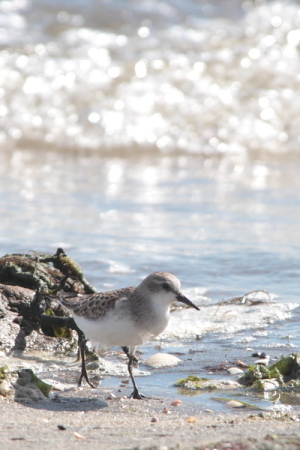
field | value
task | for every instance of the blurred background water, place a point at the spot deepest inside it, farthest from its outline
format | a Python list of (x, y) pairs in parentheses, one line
[(159, 135)]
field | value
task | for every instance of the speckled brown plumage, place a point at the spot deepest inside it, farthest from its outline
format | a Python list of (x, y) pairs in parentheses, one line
[(94, 306)]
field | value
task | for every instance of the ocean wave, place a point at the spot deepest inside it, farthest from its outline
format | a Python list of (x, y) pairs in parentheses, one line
[(167, 77)]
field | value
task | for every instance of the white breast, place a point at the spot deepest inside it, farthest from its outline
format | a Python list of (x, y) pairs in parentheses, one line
[(111, 331), (160, 315)]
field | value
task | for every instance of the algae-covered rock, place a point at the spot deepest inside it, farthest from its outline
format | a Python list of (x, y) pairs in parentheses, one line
[(288, 366), (5, 382), (294, 384), (45, 272), (197, 383), (254, 373), (29, 394), (182, 382), (266, 385), (28, 287), (26, 377), (284, 370), (4, 371)]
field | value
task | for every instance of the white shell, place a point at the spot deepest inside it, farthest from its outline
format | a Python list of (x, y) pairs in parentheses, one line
[(235, 371), (162, 360), (235, 404)]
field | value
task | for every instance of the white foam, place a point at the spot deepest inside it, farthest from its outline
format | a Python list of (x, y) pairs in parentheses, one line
[(226, 319)]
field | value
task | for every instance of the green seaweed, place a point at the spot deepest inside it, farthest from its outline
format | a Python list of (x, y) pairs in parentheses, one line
[(254, 373), (284, 370), (191, 378), (4, 373), (59, 332), (288, 366)]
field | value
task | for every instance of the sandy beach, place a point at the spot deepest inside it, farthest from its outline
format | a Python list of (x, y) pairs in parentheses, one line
[(79, 419)]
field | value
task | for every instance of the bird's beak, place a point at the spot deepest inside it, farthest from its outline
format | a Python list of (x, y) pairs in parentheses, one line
[(183, 299)]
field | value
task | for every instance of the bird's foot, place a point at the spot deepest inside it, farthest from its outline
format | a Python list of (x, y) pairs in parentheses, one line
[(137, 395), (85, 376)]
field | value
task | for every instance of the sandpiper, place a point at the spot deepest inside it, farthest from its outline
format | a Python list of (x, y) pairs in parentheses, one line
[(126, 317)]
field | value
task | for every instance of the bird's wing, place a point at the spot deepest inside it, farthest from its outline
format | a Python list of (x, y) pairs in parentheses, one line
[(93, 306)]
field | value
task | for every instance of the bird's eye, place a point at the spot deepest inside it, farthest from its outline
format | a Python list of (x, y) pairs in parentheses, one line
[(166, 286)]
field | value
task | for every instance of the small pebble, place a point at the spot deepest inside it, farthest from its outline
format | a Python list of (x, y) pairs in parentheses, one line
[(61, 427), (154, 419), (242, 364), (93, 365), (78, 435), (264, 362), (176, 403), (259, 355), (111, 396), (191, 420), (235, 404), (234, 371), (166, 411)]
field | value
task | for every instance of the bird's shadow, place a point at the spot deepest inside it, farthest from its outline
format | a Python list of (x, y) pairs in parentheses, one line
[(65, 403)]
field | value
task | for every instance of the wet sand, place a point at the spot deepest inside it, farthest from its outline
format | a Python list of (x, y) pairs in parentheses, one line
[(79, 419)]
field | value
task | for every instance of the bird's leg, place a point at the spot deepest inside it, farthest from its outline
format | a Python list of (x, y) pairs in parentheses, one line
[(81, 344), (46, 320), (135, 394), (126, 350)]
